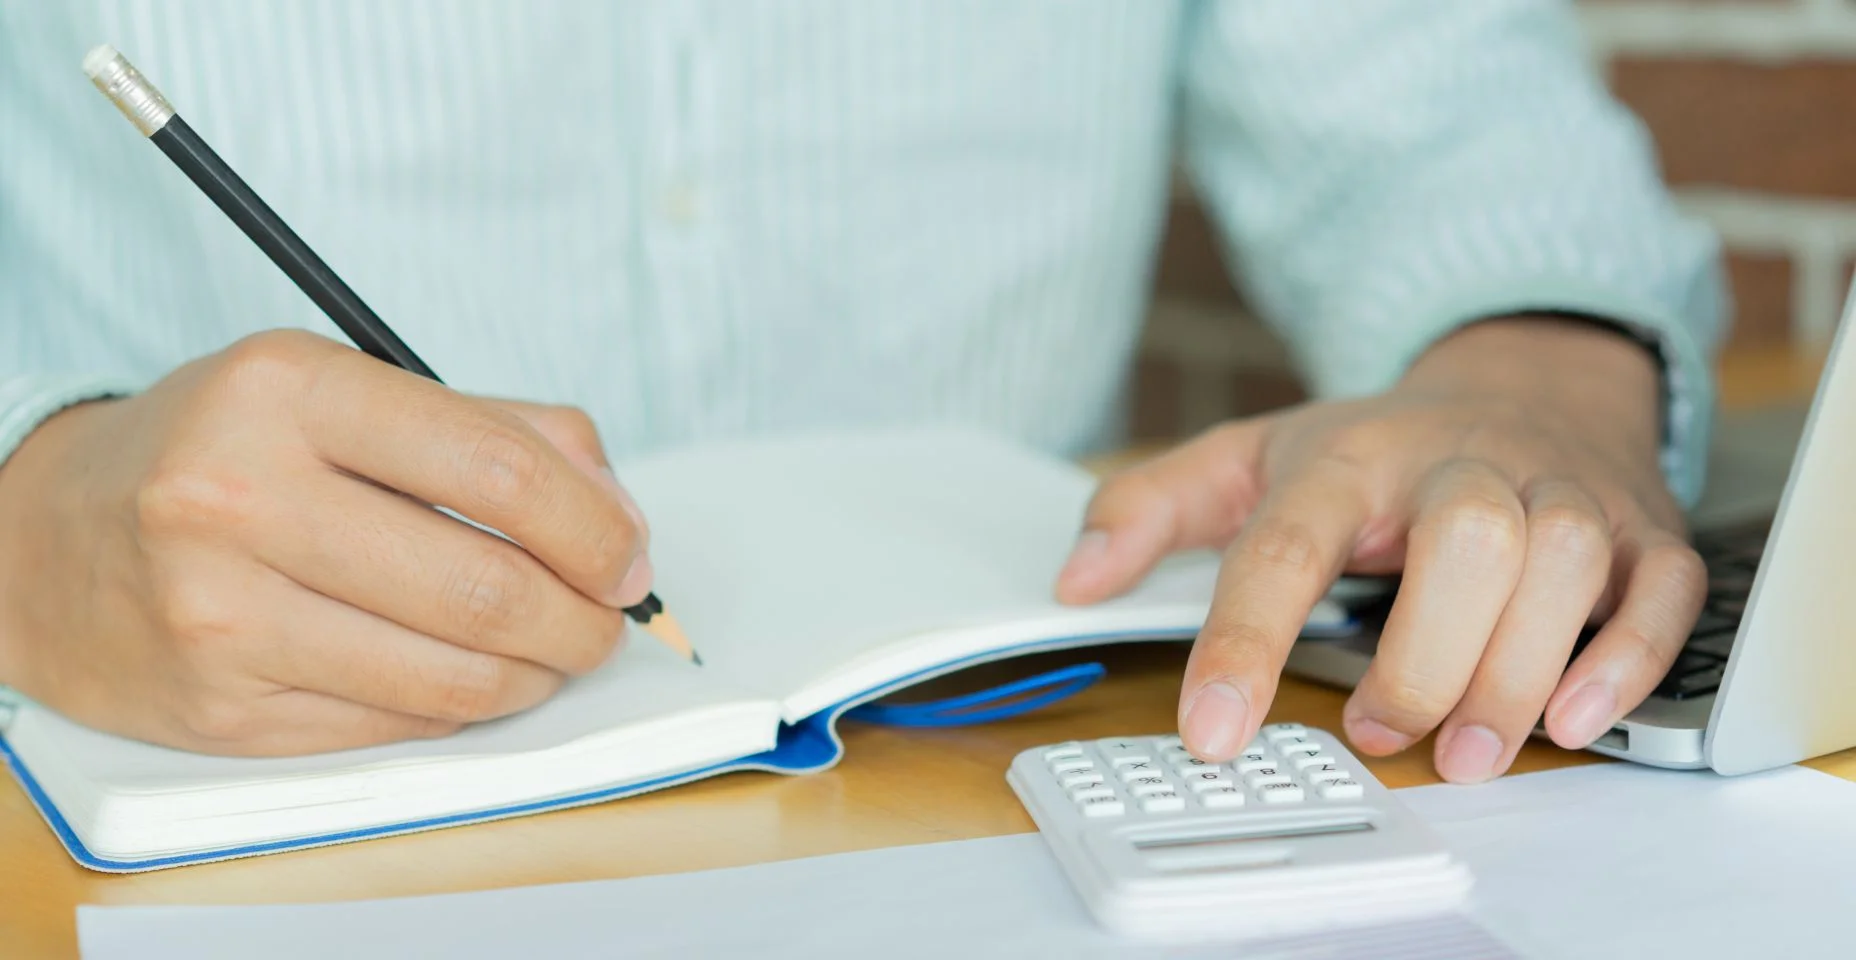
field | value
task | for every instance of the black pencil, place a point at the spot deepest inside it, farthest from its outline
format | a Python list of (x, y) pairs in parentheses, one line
[(150, 112)]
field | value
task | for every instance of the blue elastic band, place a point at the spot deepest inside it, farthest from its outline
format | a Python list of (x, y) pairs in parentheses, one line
[(984, 706)]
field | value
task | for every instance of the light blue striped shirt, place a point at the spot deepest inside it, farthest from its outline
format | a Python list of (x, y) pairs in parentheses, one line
[(702, 218)]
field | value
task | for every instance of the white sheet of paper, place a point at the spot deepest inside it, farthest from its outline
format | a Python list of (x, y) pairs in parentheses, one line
[(997, 897), (1623, 861), (1612, 860)]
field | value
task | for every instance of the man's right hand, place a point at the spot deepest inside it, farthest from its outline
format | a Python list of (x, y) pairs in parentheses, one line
[(245, 560)]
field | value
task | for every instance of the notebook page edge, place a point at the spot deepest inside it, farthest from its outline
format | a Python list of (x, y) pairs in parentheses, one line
[(114, 824)]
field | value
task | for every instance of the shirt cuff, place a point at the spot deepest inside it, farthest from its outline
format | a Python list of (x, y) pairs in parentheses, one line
[(27, 401)]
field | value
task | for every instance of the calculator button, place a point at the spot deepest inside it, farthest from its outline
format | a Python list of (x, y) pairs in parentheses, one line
[(1340, 790), (1207, 780), (1142, 786), (1081, 779), (1222, 797), (1093, 792), (1169, 743), (1176, 755), (1277, 732), (1302, 748), (1192, 765), (1279, 792), (1319, 777), (1259, 765), (1064, 751), (1167, 802), (1258, 781), (1137, 768), (1103, 807), (1316, 761), (1119, 749), (1072, 765)]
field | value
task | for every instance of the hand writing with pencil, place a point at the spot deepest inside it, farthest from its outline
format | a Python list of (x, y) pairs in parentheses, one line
[(1511, 477), (243, 559)]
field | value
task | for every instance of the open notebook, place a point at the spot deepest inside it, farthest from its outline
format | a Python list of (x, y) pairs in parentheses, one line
[(815, 574)]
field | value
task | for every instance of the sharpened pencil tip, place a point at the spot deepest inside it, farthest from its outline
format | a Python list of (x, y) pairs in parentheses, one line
[(665, 628)]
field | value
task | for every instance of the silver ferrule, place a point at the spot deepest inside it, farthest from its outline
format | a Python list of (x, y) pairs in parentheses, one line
[(129, 90)]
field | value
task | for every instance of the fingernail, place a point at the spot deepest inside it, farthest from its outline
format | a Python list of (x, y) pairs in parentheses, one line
[(636, 584), (1587, 713), (1471, 755), (1375, 737), (1215, 721), (1090, 548)]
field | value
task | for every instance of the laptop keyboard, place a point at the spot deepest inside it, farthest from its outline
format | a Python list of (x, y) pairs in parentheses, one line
[(1732, 556)]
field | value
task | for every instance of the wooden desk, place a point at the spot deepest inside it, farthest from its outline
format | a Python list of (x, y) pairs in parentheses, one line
[(894, 787), (1769, 376)]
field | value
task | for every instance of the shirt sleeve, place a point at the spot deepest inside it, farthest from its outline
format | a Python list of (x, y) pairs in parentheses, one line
[(29, 400), (1385, 171)]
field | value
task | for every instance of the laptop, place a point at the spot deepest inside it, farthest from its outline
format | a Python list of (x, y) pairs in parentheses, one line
[(1768, 676)]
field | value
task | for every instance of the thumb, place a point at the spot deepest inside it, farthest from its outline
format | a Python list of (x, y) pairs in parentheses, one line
[(1195, 495)]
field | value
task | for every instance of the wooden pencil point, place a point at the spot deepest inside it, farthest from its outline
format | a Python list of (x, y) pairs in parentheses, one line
[(665, 628)]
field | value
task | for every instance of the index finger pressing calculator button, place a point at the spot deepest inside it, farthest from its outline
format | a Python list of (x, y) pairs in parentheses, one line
[(1293, 835)]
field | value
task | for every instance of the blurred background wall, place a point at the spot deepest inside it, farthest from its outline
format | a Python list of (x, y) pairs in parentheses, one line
[(1753, 107)]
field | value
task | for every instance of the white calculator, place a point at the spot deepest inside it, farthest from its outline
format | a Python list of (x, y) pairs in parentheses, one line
[(1292, 836)]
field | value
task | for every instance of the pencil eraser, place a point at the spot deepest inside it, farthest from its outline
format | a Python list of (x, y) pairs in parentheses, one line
[(98, 58)]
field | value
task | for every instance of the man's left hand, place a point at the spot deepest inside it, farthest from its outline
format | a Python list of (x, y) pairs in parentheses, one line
[(1511, 476)]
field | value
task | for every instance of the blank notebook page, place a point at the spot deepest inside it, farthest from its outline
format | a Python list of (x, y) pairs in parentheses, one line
[(785, 561)]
